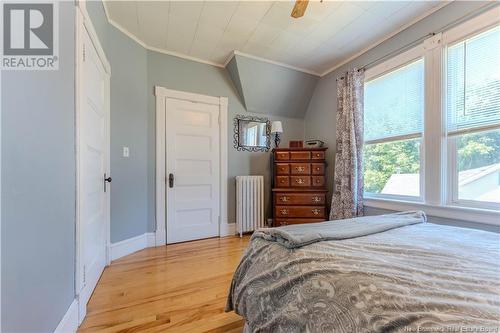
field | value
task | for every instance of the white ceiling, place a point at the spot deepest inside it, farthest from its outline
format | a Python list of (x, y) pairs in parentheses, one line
[(327, 35)]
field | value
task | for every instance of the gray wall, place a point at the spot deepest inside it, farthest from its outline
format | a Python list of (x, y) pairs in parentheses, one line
[(129, 127), (320, 119), (38, 190), (271, 89), (135, 72)]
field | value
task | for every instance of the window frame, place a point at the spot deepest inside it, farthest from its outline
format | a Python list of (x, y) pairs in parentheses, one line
[(438, 194), (393, 64), (469, 29)]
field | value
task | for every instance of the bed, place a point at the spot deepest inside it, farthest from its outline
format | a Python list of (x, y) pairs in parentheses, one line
[(355, 276)]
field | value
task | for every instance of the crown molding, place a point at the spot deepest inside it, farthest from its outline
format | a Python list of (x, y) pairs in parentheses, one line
[(236, 52), (228, 60), (207, 62), (387, 37), (155, 49)]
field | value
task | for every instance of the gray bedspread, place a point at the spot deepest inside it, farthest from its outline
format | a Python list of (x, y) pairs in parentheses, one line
[(297, 235), (417, 278)]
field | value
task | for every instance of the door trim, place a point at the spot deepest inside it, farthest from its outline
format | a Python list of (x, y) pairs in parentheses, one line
[(83, 23), (161, 95)]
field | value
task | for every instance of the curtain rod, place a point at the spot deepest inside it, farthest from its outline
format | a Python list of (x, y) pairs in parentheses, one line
[(417, 41)]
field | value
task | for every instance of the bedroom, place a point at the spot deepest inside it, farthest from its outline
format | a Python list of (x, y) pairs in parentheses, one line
[(422, 75)]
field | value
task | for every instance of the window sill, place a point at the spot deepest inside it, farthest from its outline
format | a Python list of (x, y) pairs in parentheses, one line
[(485, 216)]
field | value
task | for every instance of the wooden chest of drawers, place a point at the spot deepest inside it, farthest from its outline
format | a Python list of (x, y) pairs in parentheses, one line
[(299, 193)]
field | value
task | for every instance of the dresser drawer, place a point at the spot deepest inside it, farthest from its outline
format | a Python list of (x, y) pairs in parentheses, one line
[(282, 221), (318, 168), (282, 168), (282, 155), (286, 198), (300, 168), (300, 155), (299, 211), (318, 155), (282, 181), (318, 181), (300, 181)]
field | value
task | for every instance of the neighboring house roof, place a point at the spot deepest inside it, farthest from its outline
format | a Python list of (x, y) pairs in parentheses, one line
[(468, 176), (403, 184), (408, 183)]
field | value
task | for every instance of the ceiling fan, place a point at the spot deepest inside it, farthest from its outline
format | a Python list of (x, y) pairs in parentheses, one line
[(300, 8)]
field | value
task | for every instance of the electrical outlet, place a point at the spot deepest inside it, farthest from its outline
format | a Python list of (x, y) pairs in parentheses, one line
[(126, 152)]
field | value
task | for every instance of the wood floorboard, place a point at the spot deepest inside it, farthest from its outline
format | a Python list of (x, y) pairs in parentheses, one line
[(175, 288)]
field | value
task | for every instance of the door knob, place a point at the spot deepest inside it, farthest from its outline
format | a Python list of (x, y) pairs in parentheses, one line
[(171, 180), (106, 180)]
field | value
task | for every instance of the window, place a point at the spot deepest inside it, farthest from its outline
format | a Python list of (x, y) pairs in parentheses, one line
[(473, 118), (393, 118), (432, 125)]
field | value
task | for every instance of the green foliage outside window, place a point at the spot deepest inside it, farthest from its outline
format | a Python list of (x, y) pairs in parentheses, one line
[(385, 159), (478, 150)]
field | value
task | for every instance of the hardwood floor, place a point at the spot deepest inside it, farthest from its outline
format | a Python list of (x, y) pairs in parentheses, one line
[(174, 288)]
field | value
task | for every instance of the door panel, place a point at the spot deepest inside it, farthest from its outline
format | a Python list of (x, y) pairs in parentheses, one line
[(193, 157), (93, 159)]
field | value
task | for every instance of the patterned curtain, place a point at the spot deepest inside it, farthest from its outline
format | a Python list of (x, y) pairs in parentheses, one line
[(347, 200)]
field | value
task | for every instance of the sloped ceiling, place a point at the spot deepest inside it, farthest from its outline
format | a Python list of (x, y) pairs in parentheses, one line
[(271, 89)]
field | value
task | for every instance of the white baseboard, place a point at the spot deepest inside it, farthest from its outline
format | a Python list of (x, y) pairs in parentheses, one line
[(150, 239), (69, 322), (131, 245), (227, 229)]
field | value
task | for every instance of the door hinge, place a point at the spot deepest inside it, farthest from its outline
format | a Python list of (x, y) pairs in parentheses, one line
[(219, 119), (83, 52), (84, 274)]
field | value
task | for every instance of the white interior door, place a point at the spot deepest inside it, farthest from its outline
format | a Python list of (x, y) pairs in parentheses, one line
[(193, 163), (93, 165)]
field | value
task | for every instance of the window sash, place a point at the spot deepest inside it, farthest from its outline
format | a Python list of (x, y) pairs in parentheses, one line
[(454, 122), (393, 64), (395, 138), (468, 30)]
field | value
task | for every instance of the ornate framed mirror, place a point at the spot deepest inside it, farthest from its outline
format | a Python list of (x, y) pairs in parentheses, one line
[(252, 133)]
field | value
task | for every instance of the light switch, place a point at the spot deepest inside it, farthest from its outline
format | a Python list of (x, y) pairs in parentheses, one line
[(126, 152)]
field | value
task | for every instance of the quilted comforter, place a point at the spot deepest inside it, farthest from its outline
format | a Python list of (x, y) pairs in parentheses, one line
[(417, 278)]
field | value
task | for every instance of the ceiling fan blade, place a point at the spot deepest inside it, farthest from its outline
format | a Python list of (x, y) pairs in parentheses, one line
[(300, 8)]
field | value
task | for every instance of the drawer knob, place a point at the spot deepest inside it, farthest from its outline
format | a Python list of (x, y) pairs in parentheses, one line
[(317, 169), (317, 155), (284, 199), (282, 181), (300, 169), (315, 211), (299, 181), (318, 181), (284, 212), (316, 199)]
